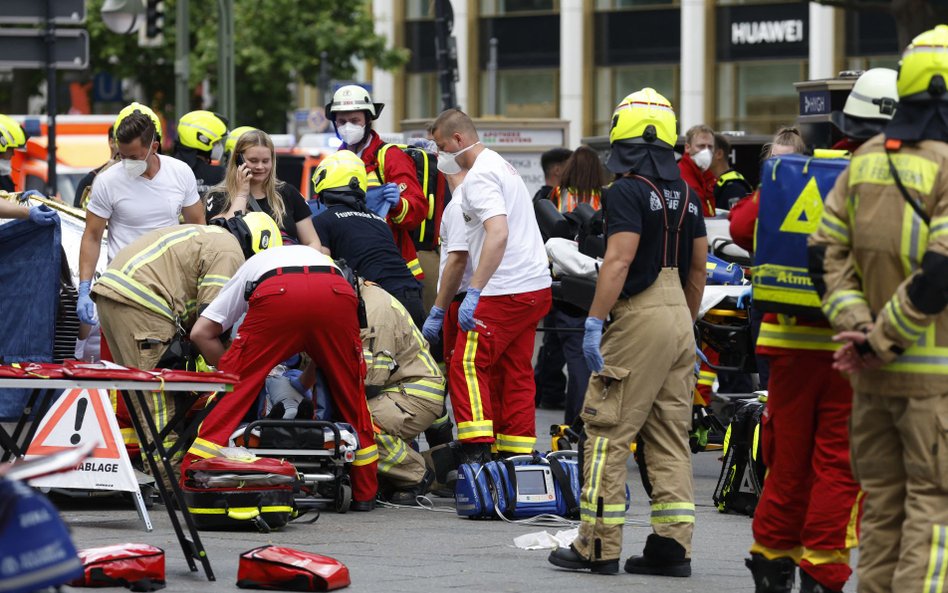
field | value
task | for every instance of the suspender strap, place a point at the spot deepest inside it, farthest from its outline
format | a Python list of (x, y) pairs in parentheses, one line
[(905, 194), (671, 233)]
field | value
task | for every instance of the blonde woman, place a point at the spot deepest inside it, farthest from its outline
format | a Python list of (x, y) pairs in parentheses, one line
[(250, 185)]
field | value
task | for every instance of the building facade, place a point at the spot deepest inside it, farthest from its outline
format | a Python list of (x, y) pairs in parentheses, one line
[(728, 63)]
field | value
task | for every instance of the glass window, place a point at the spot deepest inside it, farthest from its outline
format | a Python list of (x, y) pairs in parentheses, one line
[(420, 9), (502, 7), (867, 62), (758, 97), (523, 93), (614, 4), (612, 84), (423, 97)]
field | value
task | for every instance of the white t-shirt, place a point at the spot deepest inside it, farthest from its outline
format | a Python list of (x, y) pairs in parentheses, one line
[(136, 206), (230, 304), (492, 188), (454, 237)]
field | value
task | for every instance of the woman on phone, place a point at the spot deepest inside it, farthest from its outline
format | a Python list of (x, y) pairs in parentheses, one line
[(250, 185)]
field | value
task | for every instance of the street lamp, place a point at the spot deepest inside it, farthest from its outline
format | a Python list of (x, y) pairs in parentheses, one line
[(123, 16)]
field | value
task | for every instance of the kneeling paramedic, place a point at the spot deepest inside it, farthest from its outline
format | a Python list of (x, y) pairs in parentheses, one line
[(295, 300), (650, 283), (151, 293)]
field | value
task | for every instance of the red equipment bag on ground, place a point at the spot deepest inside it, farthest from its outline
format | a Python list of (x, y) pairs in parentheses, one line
[(225, 493), (138, 567), (286, 569)]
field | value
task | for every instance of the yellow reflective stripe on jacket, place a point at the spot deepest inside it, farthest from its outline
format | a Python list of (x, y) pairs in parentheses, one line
[(414, 266), (430, 390), (852, 527), (154, 251), (673, 512), (129, 436), (834, 227), (706, 377), (477, 429), (842, 299), (589, 498), (937, 560), (916, 172), (938, 228), (914, 240), (213, 280), (205, 449), (907, 328), (366, 456), (136, 292), (403, 211), (515, 444), (799, 337)]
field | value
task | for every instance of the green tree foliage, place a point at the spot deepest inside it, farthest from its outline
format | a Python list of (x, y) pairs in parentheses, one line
[(277, 43)]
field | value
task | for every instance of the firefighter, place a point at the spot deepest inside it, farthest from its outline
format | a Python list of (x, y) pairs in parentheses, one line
[(353, 233), (201, 137), (12, 137), (153, 289), (396, 184), (650, 284), (807, 514), (879, 258), (730, 186)]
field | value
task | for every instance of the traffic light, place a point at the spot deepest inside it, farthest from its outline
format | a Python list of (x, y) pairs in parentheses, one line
[(154, 18)]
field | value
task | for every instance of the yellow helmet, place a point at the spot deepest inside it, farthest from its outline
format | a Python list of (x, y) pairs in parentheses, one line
[(644, 116), (254, 231), (143, 109), (232, 137), (342, 169), (201, 130), (11, 133), (924, 65)]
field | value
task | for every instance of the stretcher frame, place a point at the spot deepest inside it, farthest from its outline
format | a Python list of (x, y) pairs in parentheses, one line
[(150, 441)]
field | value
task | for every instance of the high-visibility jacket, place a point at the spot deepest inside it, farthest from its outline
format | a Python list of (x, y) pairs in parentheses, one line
[(396, 355), (876, 261), (566, 199), (413, 208), (172, 272)]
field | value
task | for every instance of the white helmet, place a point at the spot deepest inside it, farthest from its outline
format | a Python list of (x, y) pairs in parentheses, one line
[(870, 104), (352, 97)]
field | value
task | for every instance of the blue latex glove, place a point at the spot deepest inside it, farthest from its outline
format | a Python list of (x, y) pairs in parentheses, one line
[(701, 358), (468, 306), (43, 215), (433, 324), (382, 198), (30, 193), (745, 298), (591, 341), (85, 308)]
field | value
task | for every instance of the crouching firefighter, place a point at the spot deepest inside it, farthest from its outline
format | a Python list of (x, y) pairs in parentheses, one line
[(650, 284), (153, 289), (296, 300)]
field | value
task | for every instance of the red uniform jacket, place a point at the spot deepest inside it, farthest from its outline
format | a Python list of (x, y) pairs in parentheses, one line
[(400, 170), (743, 217), (702, 182)]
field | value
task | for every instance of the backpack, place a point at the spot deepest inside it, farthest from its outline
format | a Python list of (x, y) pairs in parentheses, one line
[(433, 186), (742, 472)]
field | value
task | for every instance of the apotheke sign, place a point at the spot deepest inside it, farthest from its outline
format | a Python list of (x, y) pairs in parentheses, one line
[(749, 32)]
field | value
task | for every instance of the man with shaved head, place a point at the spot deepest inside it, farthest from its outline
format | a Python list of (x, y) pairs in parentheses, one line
[(491, 376)]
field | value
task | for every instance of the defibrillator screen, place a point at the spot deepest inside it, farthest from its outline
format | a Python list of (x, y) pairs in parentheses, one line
[(531, 482)]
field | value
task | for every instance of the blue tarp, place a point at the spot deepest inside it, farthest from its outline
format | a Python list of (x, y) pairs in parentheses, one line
[(30, 260)]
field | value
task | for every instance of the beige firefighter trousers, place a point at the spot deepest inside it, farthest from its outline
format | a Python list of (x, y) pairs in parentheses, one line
[(645, 388), (138, 339), (899, 452), (401, 418)]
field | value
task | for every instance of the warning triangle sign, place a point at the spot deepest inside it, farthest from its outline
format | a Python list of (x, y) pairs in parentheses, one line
[(804, 215), (76, 417), (747, 485)]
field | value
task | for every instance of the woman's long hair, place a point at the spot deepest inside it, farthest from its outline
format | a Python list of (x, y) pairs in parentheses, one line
[(228, 187), (583, 177)]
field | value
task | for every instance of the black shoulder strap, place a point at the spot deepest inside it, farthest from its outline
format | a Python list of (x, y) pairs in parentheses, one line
[(561, 477), (252, 204), (512, 482), (670, 232), (905, 194)]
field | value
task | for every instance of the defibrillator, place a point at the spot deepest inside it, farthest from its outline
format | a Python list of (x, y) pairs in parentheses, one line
[(793, 189)]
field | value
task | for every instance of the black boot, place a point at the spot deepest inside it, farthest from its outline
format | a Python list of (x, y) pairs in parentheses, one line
[(570, 558), (662, 556), (441, 432), (771, 576), (809, 585), (475, 453), (409, 496)]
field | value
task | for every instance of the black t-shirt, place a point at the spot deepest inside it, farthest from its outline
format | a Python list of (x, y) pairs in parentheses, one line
[(631, 205), (543, 193), (365, 241), (293, 202), (6, 183), (730, 192)]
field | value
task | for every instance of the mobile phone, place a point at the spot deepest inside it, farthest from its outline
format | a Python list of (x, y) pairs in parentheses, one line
[(240, 160)]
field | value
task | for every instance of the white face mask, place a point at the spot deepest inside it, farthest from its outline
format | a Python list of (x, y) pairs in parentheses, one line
[(135, 168), (351, 133), (702, 158), (447, 161), (6, 167), (217, 151)]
